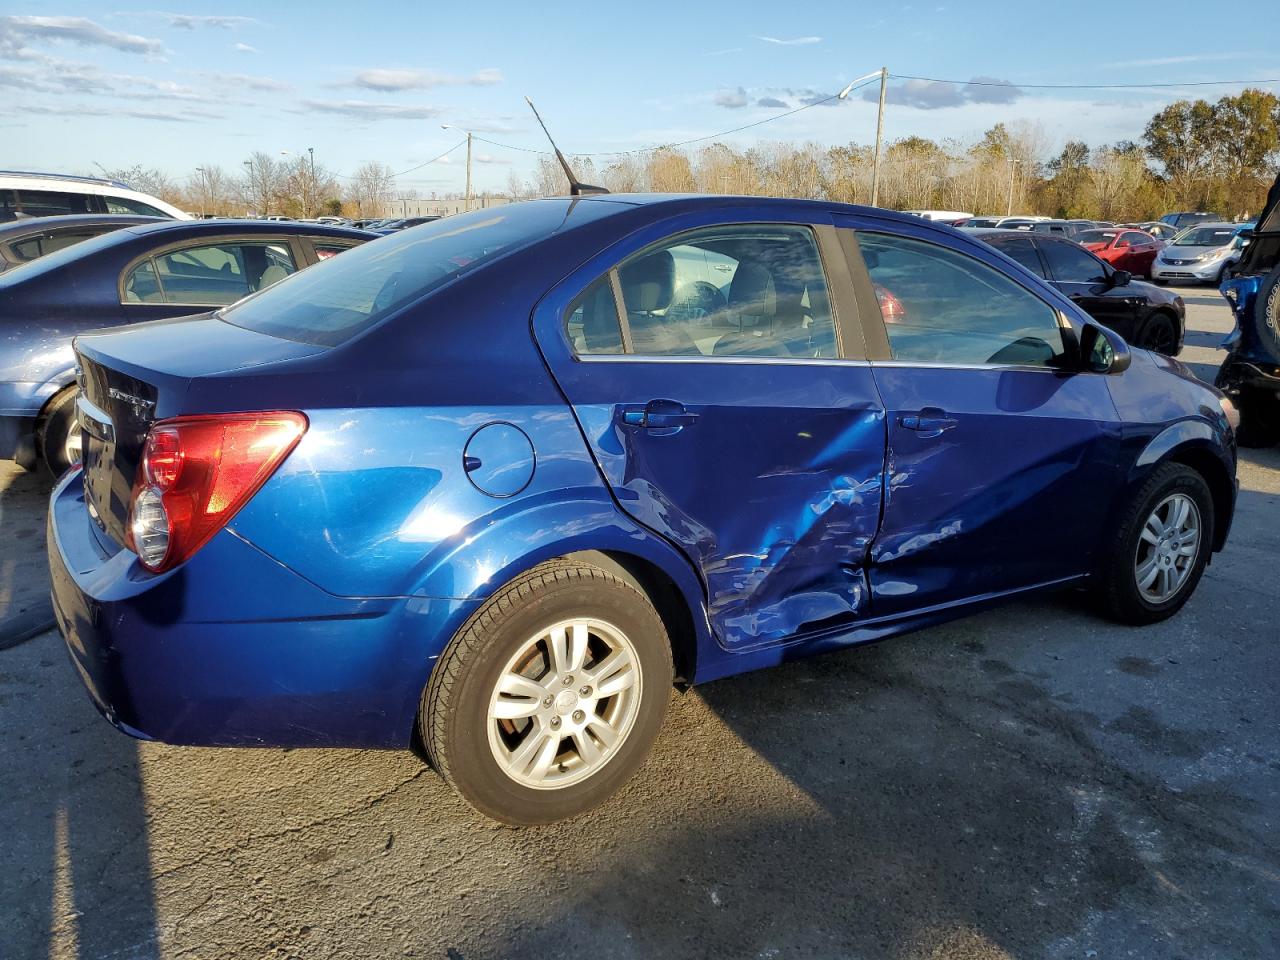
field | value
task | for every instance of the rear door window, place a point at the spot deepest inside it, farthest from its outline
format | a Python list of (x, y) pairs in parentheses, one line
[(749, 290), (50, 203), (213, 274), (943, 307)]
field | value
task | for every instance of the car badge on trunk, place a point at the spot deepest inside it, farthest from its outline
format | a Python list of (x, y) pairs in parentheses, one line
[(139, 405)]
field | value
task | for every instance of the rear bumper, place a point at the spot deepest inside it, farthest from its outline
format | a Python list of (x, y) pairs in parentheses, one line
[(232, 648)]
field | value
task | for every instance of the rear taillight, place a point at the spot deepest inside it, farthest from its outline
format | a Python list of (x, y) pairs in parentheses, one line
[(196, 472)]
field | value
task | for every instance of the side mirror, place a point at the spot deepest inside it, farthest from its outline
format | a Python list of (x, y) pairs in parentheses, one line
[(1121, 278), (1245, 235), (1103, 350)]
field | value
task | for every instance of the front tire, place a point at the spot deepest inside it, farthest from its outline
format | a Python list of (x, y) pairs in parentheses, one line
[(1160, 548), (1160, 334), (550, 697)]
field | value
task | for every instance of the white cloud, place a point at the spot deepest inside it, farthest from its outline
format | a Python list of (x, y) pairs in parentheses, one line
[(243, 80), (392, 81), (732, 99), (1181, 58), (364, 110), (16, 32), (796, 42), (244, 48), (184, 21)]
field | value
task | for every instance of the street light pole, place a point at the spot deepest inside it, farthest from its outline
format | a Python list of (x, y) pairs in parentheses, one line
[(312, 152), (1013, 171), (883, 74)]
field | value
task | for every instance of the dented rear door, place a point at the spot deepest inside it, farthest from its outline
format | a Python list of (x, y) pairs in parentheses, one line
[(766, 471)]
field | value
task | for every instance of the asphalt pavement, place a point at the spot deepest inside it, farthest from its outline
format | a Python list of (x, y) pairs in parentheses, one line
[(1028, 783)]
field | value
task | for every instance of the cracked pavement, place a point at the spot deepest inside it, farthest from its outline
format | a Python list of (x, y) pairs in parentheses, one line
[(1031, 782)]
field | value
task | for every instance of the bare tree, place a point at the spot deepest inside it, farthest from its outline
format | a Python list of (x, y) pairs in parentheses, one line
[(209, 190), (144, 179), (371, 188)]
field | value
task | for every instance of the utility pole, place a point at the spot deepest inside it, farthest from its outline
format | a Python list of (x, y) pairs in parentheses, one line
[(312, 192), (1013, 171), (875, 167), (468, 195), (253, 188)]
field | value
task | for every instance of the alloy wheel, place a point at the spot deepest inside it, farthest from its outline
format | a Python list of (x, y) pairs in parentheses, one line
[(564, 703), (1167, 548)]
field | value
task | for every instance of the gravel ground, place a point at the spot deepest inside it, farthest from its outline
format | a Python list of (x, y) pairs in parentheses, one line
[(1029, 783)]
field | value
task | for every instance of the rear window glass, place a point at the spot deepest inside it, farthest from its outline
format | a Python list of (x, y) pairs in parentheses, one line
[(342, 296), (1096, 236)]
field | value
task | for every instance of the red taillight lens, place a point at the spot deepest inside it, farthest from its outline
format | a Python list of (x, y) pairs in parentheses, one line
[(162, 458), (196, 472)]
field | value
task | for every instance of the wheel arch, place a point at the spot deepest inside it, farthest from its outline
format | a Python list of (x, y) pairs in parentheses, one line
[(1197, 445), (489, 561)]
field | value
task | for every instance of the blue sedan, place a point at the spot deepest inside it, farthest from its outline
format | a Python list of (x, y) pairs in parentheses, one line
[(491, 484), (149, 271)]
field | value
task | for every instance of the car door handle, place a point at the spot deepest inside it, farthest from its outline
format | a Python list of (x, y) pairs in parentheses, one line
[(929, 422), (658, 415)]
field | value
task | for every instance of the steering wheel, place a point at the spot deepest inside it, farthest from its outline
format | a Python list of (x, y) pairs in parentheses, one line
[(697, 299)]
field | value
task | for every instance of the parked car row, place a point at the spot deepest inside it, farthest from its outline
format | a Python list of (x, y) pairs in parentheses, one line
[(436, 490), (72, 274)]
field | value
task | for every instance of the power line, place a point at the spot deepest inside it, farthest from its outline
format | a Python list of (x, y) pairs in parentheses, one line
[(424, 163), (1080, 86), (682, 143)]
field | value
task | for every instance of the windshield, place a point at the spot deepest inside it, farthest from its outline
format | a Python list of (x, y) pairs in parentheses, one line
[(1095, 236), (333, 301), (1204, 237)]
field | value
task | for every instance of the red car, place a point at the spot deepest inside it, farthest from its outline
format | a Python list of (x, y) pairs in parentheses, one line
[(1131, 250)]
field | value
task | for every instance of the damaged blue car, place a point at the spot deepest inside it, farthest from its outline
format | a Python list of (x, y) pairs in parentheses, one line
[(488, 487), (1251, 373)]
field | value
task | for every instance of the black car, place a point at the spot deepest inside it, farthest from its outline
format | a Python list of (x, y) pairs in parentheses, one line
[(29, 238), (1142, 313)]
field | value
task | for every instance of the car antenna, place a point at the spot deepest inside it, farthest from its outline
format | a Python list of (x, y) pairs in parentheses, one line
[(576, 187)]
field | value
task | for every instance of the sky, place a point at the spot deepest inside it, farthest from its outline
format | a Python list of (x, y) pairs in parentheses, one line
[(186, 85)]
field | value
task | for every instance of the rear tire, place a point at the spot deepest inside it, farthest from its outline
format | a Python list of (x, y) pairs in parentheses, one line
[(532, 724), (58, 434), (1259, 418), (1151, 541)]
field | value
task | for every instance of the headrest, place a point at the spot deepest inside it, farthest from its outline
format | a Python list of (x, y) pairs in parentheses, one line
[(752, 292), (648, 283)]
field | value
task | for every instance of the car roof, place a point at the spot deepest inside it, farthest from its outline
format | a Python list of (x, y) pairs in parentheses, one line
[(29, 225), (196, 228)]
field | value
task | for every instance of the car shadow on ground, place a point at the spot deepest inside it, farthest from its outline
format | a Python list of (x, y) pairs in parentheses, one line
[(74, 840), (24, 579), (78, 881)]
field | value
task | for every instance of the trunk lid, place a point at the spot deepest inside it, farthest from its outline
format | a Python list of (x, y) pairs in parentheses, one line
[(133, 376)]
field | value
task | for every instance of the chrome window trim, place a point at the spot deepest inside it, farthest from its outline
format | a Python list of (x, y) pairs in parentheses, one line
[(821, 361)]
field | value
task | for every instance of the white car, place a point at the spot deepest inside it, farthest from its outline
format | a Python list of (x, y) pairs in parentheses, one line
[(55, 194), (951, 217)]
